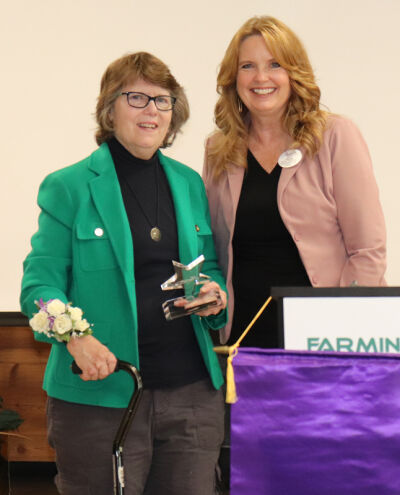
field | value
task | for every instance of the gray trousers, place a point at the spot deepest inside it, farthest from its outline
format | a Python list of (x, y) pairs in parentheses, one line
[(172, 447)]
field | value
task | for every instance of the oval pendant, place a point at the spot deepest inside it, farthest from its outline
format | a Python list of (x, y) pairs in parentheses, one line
[(290, 158), (155, 234)]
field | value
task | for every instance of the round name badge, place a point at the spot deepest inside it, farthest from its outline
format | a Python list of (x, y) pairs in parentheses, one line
[(290, 158)]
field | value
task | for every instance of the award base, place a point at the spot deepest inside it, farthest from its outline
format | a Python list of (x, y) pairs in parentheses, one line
[(185, 306)]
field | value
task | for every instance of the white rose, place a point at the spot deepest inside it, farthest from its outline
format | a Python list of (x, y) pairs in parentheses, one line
[(75, 313), (81, 325), (39, 322), (55, 307), (62, 324)]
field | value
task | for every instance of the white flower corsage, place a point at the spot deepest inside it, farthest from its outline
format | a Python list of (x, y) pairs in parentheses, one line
[(59, 320)]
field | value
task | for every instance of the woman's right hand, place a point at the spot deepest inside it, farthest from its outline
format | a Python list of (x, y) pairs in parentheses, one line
[(94, 359)]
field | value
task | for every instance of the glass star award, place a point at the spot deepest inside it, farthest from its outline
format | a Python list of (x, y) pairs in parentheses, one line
[(189, 278)]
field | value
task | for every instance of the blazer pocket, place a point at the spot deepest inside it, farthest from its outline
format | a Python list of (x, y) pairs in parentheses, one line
[(203, 228), (203, 235), (95, 251)]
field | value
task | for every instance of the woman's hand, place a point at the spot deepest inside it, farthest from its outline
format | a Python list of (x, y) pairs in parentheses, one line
[(210, 289), (94, 359)]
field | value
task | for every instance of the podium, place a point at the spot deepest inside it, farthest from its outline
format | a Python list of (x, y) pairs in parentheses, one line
[(321, 422), (352, 319)]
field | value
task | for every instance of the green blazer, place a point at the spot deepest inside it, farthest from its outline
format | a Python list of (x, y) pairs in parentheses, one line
[(69, 262)]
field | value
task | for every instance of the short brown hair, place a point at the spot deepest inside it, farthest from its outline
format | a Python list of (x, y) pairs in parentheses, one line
[(128, 69)]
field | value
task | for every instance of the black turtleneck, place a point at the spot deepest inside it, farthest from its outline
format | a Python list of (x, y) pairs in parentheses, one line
[(168, 351)]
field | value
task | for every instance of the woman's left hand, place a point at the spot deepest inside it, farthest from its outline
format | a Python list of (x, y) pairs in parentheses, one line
[(212, 310)]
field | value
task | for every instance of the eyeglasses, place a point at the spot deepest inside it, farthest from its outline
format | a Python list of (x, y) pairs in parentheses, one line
[(141, 100)]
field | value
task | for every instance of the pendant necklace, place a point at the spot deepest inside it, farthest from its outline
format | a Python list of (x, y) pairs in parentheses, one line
[(155, 232)]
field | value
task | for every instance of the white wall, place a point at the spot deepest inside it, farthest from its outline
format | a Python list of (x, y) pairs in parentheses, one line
[(53, 53)]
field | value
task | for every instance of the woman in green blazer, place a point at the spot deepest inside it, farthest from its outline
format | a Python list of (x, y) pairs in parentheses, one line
[(109, 228)]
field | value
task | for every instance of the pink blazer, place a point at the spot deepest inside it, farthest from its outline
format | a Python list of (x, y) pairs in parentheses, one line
[(330, 206)]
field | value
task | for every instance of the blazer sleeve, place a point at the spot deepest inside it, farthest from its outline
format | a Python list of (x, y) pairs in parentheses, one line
[(211, 266), (220, 206), (210, 186), (359, 210), (47, 268)]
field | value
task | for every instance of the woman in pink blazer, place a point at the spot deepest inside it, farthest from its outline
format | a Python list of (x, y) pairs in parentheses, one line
[(292, 193)]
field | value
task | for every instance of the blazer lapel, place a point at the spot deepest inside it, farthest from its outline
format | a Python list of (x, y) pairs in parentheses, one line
[(286, 176), (179, 186), (108, 200)]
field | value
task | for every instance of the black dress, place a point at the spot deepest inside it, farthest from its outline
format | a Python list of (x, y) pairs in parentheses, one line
[(264, 256)]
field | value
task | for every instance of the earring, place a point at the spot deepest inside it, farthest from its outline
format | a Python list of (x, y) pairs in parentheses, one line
[(240, 105)]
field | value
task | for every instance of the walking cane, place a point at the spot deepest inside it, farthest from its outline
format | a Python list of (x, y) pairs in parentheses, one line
[(118, 444)]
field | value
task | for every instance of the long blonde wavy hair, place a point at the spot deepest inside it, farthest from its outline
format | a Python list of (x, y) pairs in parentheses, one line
[(304, 120)]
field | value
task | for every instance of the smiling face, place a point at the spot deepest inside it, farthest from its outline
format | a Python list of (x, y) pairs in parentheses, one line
[(140, 130), (262, 84)]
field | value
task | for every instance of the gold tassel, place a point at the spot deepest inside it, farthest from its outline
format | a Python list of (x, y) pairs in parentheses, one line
[(222, 349), (231, 396)]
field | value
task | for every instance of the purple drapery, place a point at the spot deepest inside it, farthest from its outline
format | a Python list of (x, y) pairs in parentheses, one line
[(315, 423)]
